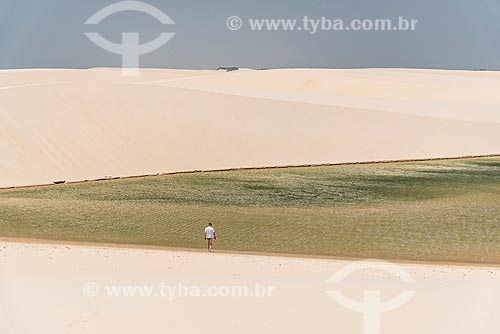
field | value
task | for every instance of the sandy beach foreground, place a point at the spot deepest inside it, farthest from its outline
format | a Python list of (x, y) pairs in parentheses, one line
[(81, 289)]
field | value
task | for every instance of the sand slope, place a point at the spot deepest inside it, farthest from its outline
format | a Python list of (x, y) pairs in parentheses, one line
[(66, 289), (87, 124)]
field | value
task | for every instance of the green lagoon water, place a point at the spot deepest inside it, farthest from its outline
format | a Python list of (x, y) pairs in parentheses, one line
[(428, 211)]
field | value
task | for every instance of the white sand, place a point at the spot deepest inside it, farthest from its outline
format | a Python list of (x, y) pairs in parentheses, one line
[(41, 291), (87, 124)]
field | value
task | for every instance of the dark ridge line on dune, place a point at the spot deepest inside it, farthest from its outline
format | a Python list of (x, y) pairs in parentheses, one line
[(200, 171)]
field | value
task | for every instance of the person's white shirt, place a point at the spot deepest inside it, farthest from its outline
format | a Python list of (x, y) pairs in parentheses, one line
[(210, 232)]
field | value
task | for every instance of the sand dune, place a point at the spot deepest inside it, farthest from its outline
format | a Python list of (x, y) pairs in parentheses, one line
[(76, 289), (461, 95), (87, 124)]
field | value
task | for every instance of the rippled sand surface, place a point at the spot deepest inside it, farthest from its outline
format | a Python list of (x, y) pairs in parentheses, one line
[(428, 211)]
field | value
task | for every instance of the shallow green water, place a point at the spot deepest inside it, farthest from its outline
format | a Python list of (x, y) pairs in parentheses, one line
[(440, 210)]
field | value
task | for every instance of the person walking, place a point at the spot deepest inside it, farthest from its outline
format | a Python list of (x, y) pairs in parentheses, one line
[(210, 235)]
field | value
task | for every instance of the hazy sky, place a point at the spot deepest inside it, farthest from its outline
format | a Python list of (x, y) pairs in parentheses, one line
[(450, 34)]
